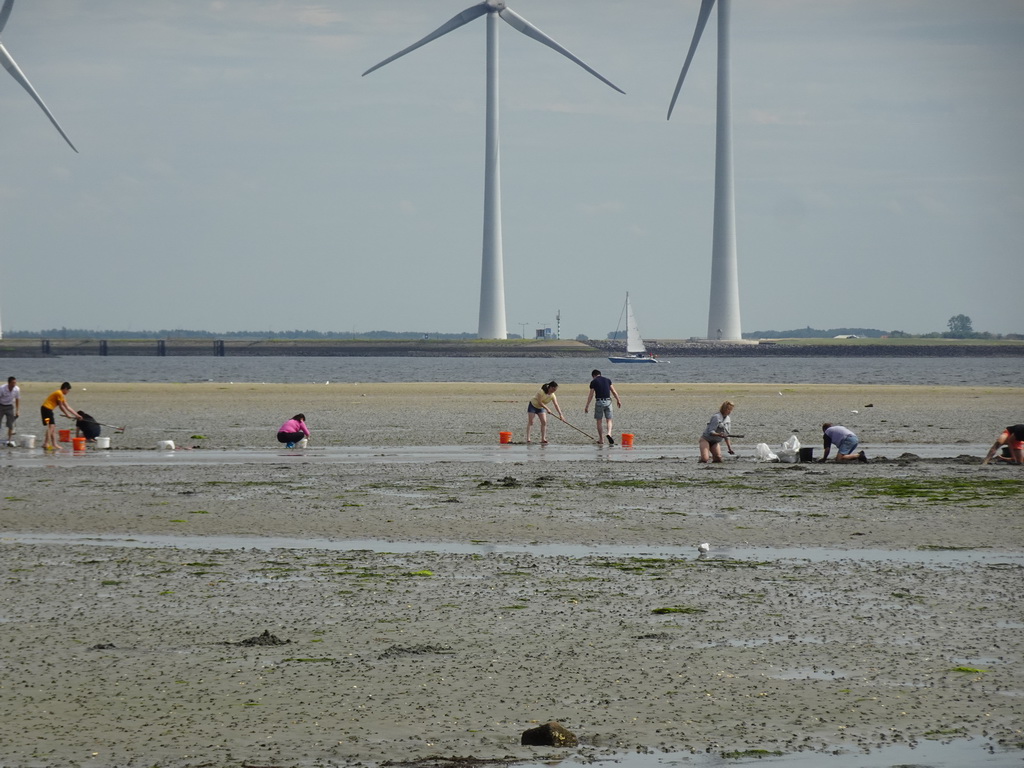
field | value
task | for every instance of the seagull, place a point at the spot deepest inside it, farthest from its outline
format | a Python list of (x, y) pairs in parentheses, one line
[(704, 548)]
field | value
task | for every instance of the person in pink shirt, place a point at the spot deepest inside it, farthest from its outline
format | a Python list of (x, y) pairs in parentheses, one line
[(293, 431)]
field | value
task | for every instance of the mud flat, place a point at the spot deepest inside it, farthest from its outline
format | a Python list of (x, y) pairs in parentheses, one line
[(295, 612)]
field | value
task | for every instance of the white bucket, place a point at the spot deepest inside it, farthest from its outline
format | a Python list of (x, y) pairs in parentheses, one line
[(102, 442), (26, 441), (165, 445)]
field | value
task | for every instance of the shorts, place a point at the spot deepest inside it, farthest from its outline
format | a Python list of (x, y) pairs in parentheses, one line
[(848, 446), (46, 415), (603, 408), (1008, 439), (531, 408), (7, 412)]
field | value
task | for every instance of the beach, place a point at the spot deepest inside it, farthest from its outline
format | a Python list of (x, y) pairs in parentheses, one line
[(234, 603)]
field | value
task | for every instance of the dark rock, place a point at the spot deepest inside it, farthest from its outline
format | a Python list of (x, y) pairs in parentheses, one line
[(549, 735), (265, 639)]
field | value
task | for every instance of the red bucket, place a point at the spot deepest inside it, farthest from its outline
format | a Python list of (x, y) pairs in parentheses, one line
[(64, 435), (505, 437), (627, 440)]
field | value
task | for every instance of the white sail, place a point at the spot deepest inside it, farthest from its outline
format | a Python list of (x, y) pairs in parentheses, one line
[(634, 342)]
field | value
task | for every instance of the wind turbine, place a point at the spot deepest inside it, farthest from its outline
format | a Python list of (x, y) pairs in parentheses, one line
[(492, 281), (724, 309), (11, 66)]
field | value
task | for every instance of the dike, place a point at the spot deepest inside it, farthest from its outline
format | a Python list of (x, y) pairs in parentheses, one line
[(667, 349)]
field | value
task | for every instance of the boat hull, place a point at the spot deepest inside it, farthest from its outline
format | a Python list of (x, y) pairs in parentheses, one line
[(633, 360)]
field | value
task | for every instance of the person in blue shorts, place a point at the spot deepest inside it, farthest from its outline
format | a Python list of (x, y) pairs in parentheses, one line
[(601, 393), (845, 442)]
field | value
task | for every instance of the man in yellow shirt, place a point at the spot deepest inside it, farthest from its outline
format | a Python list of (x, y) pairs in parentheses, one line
[(59, 400)]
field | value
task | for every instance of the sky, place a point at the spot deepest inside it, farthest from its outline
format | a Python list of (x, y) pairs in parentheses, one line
[(236, 171)]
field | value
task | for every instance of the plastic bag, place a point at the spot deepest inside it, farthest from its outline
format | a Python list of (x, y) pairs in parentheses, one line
[(790, 451), (763, 453)]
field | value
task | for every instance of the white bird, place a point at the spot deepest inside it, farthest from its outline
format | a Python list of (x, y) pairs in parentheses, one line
[(854, 411), (704, 548)]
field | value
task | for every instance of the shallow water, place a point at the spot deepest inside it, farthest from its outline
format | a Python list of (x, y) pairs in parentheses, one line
[(961, 753), (934, 371), (753, 554), (510, 453)]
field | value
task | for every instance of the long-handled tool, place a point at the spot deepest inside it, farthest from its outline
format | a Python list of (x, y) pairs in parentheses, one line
[(586, 435)]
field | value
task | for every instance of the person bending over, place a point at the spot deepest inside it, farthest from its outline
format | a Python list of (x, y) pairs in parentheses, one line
[(845, 442), (538, 408), (716, 433), (57, 400), (87, 427), (1013, 440), (294, 431)]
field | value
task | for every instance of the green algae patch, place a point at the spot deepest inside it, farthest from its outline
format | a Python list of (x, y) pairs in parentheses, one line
[(973, 491)]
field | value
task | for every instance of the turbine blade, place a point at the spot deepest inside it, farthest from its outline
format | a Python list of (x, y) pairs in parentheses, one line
[(9, 64), (518, 22), (5, 13), (473, 12), (702, 20)]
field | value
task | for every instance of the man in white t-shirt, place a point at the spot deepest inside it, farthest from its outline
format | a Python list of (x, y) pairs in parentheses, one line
[(10, 406)]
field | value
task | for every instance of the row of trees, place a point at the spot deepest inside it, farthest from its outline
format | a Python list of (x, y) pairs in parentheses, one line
[(960, 327)]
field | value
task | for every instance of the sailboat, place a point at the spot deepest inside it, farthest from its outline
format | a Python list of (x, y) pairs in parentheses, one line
[(636, 352)]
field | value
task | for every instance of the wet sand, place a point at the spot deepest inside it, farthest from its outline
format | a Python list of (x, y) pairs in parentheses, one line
[(841, 608)]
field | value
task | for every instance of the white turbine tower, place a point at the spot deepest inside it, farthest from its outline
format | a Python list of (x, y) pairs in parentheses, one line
[(492, 281), (724, 310), (11, 66)]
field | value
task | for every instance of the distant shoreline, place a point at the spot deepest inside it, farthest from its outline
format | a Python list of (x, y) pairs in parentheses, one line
[(667, 349)]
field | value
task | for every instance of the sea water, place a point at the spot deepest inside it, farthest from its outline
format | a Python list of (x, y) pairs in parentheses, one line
[(870, 371)]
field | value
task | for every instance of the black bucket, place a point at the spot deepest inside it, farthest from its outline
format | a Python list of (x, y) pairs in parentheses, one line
[(807, 454)]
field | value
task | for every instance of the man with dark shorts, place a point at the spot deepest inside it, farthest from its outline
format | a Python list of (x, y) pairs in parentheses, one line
[(601, 393), (59, 400), (10, 406)]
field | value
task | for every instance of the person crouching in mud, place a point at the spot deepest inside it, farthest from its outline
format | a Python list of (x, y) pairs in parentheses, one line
[(294, 431), (1012, 443), (845, 442), (716, 433)]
